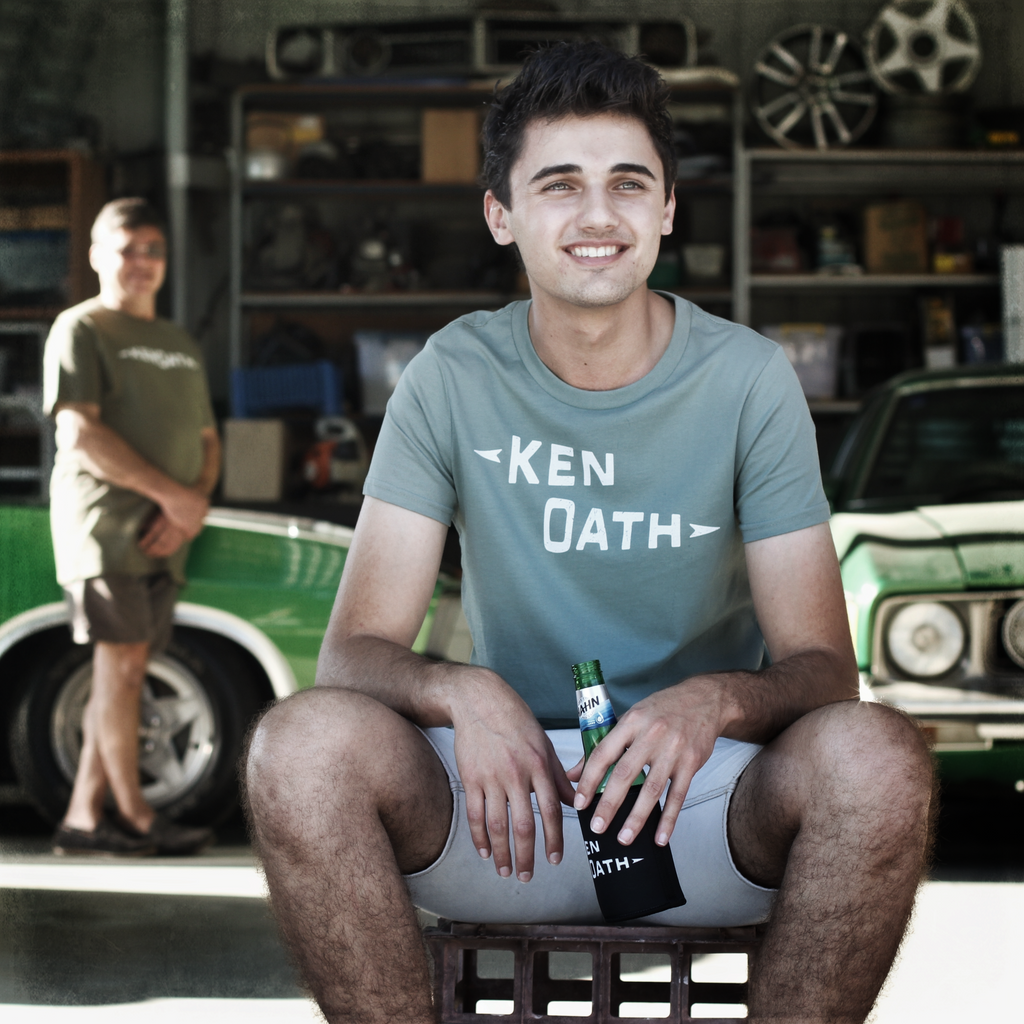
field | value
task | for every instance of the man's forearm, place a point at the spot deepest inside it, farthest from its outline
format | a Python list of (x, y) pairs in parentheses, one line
[(416, 687), (757, 706), (107, 456), (210, 473)]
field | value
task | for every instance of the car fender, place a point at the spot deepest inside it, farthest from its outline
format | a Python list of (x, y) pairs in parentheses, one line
[(197, 616)]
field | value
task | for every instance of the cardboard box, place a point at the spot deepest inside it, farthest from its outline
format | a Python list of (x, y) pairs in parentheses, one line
[(896, 238), (450, 146), (254, 460)]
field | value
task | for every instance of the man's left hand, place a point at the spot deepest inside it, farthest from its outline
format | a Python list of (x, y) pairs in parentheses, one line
[(801, 611), (674, 732)]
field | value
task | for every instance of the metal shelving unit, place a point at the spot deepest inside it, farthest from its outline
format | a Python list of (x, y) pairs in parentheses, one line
[(325, 97), (861, 282), (26, 407), (435, 299), (859, 174), (78, 180), (346, 300)]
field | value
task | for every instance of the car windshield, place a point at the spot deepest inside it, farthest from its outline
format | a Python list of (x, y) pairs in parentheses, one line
[(951, 445)]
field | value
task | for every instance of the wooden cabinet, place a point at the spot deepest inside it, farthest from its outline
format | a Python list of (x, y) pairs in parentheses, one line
[(51, 192)]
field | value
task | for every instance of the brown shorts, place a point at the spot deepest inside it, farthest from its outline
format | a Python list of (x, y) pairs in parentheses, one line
[(121, 609)]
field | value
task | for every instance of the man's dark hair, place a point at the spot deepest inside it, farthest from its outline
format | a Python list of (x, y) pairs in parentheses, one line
[(573, 80), (129, 214)]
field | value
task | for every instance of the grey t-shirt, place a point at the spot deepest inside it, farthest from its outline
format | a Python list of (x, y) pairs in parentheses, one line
[(603, 524), (147, 377)]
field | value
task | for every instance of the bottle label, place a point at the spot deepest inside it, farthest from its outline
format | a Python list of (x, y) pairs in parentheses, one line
[(594, 707)]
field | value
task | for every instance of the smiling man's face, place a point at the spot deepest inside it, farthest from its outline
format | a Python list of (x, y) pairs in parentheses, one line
[(130, 262), (588, 208)]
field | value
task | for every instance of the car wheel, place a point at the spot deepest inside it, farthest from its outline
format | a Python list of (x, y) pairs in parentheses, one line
[(198, 699)]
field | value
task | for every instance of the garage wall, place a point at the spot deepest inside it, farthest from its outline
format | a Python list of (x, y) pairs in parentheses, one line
[(740, 28), (124, 83)]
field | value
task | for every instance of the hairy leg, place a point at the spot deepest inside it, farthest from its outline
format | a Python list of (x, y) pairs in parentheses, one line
[(344, 797), (837, 812), (90, 789), (110, 739)]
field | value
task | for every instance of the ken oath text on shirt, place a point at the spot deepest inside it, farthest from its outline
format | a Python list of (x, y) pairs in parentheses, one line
[(560, 513)]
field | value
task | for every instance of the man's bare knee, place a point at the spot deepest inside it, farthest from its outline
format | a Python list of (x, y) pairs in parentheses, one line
[(328, 762), (877, 750), (848, 767), (120, 666), (294, 747)]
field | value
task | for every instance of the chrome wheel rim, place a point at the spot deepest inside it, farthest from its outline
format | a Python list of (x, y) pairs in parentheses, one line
[(178, 736), (812, 88), (924, 46)]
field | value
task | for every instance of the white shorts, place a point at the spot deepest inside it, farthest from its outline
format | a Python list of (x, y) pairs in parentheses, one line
[(462, 886)]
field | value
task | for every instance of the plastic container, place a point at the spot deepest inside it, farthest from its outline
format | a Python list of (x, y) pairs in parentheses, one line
[(813, 349), (267, 389), (383, 356)]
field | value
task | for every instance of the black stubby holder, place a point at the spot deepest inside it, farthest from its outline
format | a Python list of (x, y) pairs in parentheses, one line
[(635, 880)]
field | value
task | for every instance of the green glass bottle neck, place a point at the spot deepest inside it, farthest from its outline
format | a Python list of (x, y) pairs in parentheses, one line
[(587, 673)]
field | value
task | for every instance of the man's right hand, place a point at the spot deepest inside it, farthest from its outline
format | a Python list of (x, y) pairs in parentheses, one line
[(503, 756), (185, 508), (161, 537)]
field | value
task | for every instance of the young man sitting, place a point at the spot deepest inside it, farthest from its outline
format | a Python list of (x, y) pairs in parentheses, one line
[(636, 481)]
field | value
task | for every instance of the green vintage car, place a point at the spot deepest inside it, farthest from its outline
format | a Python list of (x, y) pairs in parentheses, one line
[(928, 493), (928, 489), (247, 631)]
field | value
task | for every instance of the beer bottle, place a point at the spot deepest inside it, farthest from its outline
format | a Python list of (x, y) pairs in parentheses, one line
[(630, 881)]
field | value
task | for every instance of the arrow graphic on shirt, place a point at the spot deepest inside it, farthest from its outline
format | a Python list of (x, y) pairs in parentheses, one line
[(699, 531), (491, 456)]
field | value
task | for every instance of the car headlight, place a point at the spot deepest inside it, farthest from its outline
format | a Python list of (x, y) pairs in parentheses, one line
[(1013, 633), (925, 639)]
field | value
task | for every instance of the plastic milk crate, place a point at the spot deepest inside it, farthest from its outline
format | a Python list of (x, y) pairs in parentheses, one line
[(582, 974), (267, 389)]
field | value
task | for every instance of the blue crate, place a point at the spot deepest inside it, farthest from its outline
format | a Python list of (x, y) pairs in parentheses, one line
[(267, 389)]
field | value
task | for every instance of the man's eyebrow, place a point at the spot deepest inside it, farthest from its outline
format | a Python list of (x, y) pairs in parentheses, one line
[(554, 169), (547, 172), (634, 169)]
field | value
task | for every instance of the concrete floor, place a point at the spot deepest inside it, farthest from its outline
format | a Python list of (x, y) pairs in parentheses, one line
[(163, 940)]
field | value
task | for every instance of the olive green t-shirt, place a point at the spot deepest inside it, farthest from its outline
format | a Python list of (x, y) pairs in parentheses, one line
[(148, 379)]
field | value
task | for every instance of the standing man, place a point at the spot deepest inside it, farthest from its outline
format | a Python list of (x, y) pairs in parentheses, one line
[(636, 481), (137, 457)]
